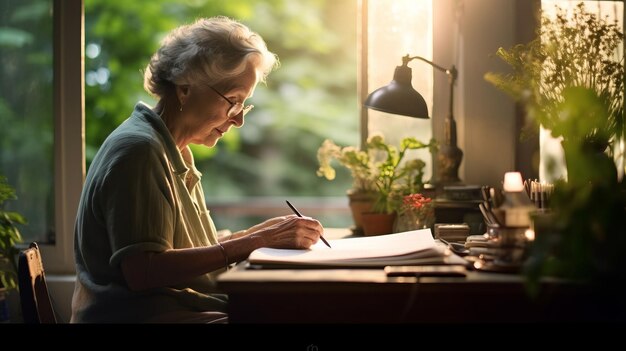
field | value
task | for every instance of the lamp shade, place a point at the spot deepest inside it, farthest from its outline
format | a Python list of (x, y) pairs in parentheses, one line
[(398, 97)]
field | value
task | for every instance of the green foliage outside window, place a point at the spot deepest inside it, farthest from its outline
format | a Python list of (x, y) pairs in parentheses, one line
[(26, 112)]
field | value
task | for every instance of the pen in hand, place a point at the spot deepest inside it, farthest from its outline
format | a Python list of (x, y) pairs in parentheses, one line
[(299, 215)]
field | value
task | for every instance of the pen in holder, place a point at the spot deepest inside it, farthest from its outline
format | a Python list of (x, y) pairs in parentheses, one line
[(507, 225), (539, 192)]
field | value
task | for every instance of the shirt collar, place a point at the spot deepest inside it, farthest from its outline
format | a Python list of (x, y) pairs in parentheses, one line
[(177, 163)]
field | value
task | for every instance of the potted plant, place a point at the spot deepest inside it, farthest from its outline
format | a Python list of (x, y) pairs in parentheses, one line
[(9, 236), (570, 79), (363, 192), (567, 55), (378, 173)]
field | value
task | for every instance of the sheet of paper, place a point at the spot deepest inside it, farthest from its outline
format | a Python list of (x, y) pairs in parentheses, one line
[(354, 249)]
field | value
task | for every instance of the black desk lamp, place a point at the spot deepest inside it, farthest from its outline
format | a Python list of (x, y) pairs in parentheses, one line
[(399, 97)]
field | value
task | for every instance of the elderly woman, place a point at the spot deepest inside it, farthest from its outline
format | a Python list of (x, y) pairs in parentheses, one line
[(146, 247)]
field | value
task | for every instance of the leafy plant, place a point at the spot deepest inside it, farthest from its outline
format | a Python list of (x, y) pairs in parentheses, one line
[(9, 236), (377, 169), (358, 162), (581, 51), (583, 235), (570, 79)]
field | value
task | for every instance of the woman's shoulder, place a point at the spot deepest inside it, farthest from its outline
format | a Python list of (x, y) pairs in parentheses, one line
[(127, 143), (133, 140), (137, 131), (124, 156)]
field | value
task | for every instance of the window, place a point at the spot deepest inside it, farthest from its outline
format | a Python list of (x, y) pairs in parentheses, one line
[(41, 109), (312, 96), (395, 29), (26, 113)]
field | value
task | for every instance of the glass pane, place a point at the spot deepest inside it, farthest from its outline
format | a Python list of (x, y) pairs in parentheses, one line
[(26, 112), (395, 29), (312, 96)]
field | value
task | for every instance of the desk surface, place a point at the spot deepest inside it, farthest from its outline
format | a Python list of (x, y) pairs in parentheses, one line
[(369, 296)]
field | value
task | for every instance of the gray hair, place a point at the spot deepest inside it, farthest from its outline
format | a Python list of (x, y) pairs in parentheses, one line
[(211, 51)]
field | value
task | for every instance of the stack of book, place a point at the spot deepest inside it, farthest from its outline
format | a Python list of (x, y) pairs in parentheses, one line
[(452, 232)]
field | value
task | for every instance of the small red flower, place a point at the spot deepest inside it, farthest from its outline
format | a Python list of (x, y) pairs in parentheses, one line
[(415, 201)]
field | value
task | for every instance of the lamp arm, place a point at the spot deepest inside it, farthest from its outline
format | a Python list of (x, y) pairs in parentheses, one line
[(406, 59)]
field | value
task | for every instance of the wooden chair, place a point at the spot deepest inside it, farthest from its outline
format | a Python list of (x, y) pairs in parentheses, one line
[(36, 305)]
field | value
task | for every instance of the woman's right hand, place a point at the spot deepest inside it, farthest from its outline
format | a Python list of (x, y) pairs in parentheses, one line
[(289, 232)]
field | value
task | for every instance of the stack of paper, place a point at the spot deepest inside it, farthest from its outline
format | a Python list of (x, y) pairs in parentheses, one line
[(407, 248)]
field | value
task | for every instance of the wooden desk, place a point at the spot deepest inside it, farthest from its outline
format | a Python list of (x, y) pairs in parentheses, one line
[(369, 296)]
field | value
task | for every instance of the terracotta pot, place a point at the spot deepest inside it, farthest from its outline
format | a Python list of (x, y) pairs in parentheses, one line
[(359, 203), (377, 223)]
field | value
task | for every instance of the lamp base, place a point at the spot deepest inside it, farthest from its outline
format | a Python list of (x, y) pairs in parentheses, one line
[(448, 161)]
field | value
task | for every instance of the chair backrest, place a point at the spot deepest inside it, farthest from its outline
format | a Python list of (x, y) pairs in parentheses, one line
[(36, 305)]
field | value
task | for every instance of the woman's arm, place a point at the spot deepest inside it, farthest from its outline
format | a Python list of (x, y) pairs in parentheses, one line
[(147, 270)]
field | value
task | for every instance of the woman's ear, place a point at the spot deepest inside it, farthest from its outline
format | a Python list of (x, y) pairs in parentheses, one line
[(182, 93)]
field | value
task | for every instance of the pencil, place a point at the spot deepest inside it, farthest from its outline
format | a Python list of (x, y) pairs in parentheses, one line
[(295, 210)]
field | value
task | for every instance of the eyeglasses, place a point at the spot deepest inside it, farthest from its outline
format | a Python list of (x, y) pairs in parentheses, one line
[(235, 107)]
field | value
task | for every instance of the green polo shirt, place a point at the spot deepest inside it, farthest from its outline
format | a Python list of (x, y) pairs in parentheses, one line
[(141, 194)]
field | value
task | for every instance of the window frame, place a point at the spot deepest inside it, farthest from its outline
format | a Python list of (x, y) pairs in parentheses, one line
[(362, 39), (69, 131)]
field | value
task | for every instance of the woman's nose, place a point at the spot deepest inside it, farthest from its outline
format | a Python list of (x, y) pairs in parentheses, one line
[(238, 120)]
